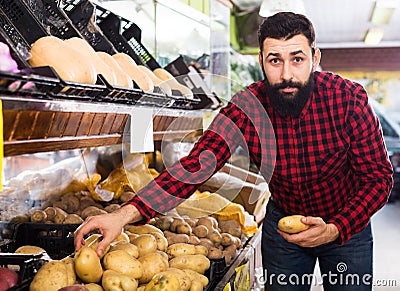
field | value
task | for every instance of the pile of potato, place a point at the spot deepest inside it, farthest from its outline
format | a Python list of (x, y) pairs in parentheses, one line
[(221, 238), (74, 208), (139, 259), (171, 253)]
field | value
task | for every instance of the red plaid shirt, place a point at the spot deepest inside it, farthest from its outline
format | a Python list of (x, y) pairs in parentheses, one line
[(331, 162)]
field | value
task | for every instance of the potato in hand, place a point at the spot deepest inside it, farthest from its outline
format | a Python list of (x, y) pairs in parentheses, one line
[(292, 224)]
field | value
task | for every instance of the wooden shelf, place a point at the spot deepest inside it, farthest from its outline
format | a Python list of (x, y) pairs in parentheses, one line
[(34, 125)]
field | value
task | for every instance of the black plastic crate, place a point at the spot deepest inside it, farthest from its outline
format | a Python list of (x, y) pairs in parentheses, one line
[(56, 239), (53, 19), (19, 48), (125, 36), (116, 94), (82, 14), (215, 272), (25, 265), (22, 19), (190, 77), (71, 90)]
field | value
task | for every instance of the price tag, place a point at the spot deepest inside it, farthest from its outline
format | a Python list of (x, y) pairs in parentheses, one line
[(141, 130)]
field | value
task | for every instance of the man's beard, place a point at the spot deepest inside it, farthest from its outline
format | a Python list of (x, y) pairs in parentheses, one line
[(289, 104)]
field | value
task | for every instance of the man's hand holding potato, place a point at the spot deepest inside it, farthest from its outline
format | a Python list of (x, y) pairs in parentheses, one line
[(307, 231), (109, 225)]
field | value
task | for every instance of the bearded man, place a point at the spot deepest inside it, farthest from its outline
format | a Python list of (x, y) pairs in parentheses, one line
[(315, 139)]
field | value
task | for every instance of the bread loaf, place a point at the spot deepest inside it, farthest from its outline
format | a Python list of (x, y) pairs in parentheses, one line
[(84, 48), (123, 79), (172, 82), (69, 64), (156, 81), (129, 66)]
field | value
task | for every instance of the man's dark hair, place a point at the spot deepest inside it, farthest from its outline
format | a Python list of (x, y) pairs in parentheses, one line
[(285, 25)]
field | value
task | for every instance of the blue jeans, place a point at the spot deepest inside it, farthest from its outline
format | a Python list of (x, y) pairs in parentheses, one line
[(288, 266)]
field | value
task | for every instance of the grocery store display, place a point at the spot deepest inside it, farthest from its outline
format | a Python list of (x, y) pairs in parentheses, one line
[(60, 60), (70, 70), (139, 261)]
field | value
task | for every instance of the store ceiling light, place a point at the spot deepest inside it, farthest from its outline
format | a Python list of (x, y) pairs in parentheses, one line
[(374, 36), (270, 7), (383, 11)]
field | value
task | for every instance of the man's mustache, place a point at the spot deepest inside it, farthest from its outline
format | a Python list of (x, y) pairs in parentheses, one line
[(286, 84)]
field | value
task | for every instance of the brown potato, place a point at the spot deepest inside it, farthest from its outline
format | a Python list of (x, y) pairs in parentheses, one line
[(196, 286), (215, 237), (215, 253), (52, 276), (73, 219), (191, 221), (230, 226), (38, 216), (163, 222), (163, 282), (198, 263), (153, 263), (183, 278), (60, 215), (87, 265), (29, 250), (292, 224), (92, 211), (162, 242), (93, 242), (142, 229), (173, 238), (51, 213), (175, 223), (121, 262), (146, 243), (112, 280), (70, 267), (184, 228), (209, 222), (193, 240), (206, 242), (125, 246), (200, 231), (112, 207), (227, 239), (193, 275)]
